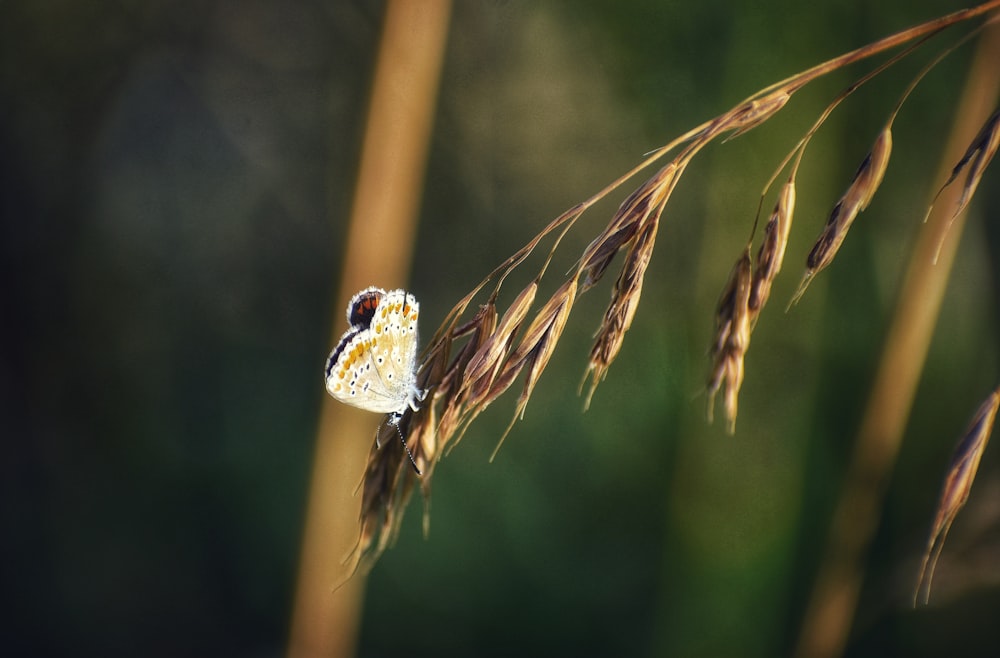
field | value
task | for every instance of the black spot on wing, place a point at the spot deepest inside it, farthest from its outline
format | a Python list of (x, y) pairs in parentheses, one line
[(363, 308)]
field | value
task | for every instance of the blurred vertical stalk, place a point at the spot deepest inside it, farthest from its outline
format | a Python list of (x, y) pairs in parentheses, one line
[(377, 252), (828, 617)]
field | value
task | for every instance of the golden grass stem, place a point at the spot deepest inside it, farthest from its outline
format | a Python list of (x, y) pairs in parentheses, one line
[(324, 622), (829, 613), (795, 82)]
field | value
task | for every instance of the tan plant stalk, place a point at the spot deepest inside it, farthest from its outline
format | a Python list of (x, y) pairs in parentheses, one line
[(325, 623)]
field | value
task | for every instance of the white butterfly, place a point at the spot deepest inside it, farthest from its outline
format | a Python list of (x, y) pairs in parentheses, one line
[(374, 366)]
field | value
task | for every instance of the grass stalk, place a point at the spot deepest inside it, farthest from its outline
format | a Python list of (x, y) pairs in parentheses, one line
[(386, 202)]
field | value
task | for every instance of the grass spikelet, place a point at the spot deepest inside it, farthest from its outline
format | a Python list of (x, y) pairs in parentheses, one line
[(643, 205), (452, 389), (955, 491), (772, 248), (485, 363), (387, 485), (756, 111), (481, 384), (732, 338), (977, 157), (621, 310), (537, 346), (857, 197)]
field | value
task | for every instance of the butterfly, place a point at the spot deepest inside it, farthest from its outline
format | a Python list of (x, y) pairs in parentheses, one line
[(374, 365)]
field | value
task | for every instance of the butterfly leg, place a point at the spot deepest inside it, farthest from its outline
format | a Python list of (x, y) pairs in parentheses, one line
[(394, 419)]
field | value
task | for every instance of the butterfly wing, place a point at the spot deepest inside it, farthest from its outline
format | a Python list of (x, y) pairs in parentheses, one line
[(394, 328), (373, 367)]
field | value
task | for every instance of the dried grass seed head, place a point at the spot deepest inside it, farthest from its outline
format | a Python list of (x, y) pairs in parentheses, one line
[(536, 348), (857, 197), (643, 205), (387, 485), (621, 309), (732, 338), (454, 385), (486, 361), (977, 157), (955, 491), (539, 340), (751, 114), (772, 247)]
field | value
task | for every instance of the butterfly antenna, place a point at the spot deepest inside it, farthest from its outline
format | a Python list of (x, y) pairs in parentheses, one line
[(395, 422)]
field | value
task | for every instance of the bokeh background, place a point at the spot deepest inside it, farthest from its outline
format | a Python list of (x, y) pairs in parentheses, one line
[(176, 178)]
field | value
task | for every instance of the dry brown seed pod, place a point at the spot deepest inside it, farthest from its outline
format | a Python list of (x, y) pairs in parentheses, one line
[(732, 339), (772, 248), (539, 340), (977, 157), (857, 197), (755, 112), (955, 491), (621, 310), (452, 391), (387, 485), (536, 348), (487, 359), (643, 205)]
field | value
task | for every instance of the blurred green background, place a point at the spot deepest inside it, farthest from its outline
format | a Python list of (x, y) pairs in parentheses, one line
[(176, 178)]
